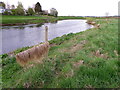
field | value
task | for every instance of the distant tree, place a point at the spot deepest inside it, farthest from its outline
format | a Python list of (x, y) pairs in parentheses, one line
[(38, 8), (3, 4), (12, 6), (14, 11), (107, 13), (53, 12), (7, 12), (20, 9), (30, 11)]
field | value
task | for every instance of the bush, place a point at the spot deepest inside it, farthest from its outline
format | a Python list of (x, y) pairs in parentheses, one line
[(4, 56), (7, 13), (14, 11), (30, 11)]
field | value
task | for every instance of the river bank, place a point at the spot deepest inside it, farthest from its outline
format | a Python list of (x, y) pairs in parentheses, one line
[(88, 59), (9, 20)]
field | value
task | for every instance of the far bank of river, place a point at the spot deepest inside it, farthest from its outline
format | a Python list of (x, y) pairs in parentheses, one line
[(9, 20)]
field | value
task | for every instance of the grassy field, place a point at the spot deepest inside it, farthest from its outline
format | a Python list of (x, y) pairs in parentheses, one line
[(88, 59), (9, 19)]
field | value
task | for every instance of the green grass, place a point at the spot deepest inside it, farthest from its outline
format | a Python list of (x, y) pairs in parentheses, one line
[(59, 71), (9, 19)]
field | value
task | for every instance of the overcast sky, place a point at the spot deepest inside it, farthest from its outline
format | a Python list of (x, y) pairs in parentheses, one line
[(74, 7)]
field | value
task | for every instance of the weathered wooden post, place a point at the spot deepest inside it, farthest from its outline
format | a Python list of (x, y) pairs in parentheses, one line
[(46, 39), (46, 33)]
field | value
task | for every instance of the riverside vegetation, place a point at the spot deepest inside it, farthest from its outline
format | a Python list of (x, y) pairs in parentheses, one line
[(16, 20), (87, 59)]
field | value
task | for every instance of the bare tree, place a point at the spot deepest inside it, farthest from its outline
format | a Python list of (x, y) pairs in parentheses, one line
[(107, 14)]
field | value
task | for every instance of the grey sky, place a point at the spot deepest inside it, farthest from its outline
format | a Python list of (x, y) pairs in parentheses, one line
[(74, 7)]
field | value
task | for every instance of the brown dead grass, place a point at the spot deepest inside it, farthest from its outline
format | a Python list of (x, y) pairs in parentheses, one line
[(27, 85), (78, 46), (78, 64), (116, 53), (101, 55), (70, 73)]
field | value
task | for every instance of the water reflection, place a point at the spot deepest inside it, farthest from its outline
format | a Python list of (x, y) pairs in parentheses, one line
[(21, 27), (14, 37), (39, 25), (31, 26), (54, 22)]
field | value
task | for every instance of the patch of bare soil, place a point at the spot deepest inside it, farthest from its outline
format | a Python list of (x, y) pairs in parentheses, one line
[(75, 47), (78, 46)]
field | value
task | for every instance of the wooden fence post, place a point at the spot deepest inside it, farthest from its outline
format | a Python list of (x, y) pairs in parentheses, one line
[(46, 33)]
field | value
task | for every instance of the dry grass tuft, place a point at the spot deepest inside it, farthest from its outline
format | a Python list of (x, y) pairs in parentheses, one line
[(116, 53), (77, 64), (78, 46), (97, 26), (70, 73), (99, 54), (27, 85)]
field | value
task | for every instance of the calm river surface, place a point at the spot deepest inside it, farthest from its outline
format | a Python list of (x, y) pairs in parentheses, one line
[(14, 37)]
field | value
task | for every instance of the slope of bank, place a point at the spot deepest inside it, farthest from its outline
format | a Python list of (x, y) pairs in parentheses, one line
[(88, 59)]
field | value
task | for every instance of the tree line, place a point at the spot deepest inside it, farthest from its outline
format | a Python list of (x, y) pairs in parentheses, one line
[(19, 10)]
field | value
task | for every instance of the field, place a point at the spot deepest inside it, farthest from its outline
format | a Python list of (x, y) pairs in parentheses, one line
[(88, 59), (16, 20)]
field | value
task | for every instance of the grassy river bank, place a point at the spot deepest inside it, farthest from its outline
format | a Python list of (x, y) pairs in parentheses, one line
[(8, 20), (88, 59)]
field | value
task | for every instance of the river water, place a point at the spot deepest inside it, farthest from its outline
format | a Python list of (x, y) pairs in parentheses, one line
[(14, 37)]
